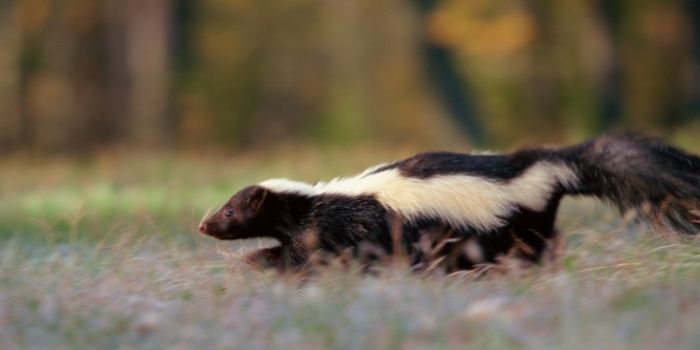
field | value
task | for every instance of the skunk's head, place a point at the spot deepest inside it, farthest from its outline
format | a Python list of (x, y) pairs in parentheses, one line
[(245, 215)]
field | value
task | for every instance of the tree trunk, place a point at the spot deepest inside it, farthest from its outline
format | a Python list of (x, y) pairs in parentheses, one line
[(451, 86), (147, 41)]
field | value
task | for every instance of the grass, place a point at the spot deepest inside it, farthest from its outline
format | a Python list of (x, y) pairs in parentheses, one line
[(103, 254)]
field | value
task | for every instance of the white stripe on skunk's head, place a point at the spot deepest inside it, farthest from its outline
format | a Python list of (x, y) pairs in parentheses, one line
[(289, 186)]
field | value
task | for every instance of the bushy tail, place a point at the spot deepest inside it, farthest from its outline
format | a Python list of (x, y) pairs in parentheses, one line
[(643, 176)]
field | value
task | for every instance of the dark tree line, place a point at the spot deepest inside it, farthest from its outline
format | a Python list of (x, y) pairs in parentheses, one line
[(79, 76)]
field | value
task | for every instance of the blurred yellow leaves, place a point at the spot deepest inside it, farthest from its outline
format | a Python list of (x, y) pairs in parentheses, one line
[(482, 27)]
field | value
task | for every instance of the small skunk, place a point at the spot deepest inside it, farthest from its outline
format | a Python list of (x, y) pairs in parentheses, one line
[(503, 203)]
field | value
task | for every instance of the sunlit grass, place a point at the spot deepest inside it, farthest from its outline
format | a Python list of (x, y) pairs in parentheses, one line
[(103, 254)]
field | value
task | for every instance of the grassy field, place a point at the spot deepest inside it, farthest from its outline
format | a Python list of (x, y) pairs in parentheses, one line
[(103, 254)]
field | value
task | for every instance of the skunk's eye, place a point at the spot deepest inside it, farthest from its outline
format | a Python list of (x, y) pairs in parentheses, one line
[(228, 213)]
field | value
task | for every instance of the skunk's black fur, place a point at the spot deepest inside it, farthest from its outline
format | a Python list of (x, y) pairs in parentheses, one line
[(402, 205)]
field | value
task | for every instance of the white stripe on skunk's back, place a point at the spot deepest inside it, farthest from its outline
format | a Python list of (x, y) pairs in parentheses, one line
[(458, 199)]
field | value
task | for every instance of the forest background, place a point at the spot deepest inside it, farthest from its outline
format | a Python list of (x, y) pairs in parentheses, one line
[(85, 76)]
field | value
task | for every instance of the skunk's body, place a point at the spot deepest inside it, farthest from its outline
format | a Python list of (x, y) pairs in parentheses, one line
[(503, 203)]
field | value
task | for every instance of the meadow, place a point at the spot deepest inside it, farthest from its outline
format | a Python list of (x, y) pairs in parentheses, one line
[(103, 254)]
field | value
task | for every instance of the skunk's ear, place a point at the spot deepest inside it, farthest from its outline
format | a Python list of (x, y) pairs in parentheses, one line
[(257, 198)]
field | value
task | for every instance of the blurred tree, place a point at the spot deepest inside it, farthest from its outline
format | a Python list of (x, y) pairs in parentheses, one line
[(86, 76), (452, 88), (10, 119), (692, 80), (610, 12), (147, 25), (656, 45), (547, 92), (33, 26)]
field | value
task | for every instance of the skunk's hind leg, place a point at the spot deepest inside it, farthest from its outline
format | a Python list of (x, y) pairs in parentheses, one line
[(533, 233)]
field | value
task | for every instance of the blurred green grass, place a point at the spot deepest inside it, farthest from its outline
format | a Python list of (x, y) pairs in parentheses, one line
[(103, 254), (60, 199)]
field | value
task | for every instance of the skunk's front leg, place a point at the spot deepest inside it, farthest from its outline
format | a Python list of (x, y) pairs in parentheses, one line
[(281, 257), (265, 258)]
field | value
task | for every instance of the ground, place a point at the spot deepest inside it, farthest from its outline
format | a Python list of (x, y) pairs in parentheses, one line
[(103, 253)]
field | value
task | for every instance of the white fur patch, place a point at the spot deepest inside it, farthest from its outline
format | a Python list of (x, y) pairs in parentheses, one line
[(290, 186), (458, 199)]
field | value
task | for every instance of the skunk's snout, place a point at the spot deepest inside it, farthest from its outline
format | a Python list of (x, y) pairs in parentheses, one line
[(209, 228)]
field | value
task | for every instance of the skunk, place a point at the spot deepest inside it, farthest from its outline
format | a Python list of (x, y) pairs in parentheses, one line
[(500, 203)]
